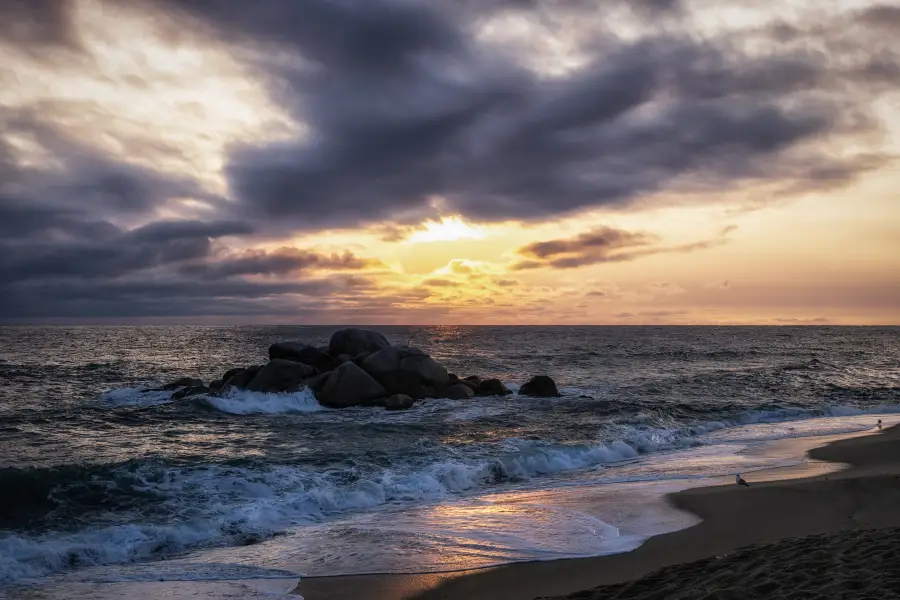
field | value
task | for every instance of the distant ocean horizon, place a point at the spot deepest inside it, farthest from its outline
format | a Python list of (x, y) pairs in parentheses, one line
[(117, 483)]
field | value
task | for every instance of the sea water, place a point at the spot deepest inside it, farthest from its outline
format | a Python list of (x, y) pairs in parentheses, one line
[(105, 488)]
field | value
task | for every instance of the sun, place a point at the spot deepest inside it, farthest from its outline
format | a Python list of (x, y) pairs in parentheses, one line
[(447, 229)]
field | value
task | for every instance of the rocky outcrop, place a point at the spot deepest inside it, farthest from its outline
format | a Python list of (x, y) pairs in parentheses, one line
[(299, 352), (349, 385), (358, 368), (492, 387), (404, 370), (540, 386), (356, 341), (281, 375), (398, 402)]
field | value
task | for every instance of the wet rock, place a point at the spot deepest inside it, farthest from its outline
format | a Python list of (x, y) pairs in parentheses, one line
[(242, 378), (492, 387), (398, 402), (349, 385), (281, 375), (187, 392), (232, 372), (356, 341), (458, 391), (404, 370), (181, 383), (540, 386), (315, 382), (299, 352)]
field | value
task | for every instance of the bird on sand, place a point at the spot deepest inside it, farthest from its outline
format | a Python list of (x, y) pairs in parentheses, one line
[(879, 423), (740, 481)]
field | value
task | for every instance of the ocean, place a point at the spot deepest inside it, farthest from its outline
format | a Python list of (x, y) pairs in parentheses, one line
[(103, 484)]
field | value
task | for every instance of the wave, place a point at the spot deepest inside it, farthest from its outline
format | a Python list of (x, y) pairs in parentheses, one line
[(242, 402), (219, 505)]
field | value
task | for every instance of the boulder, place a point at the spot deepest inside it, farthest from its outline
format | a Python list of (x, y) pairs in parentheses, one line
[(404, 370), (349, 385), (187, 392), (492, 387), (398, 402), (315, 382), (404, 382), (181, 383), (458, 391), (356, 341), (280, 375), (241, 378), (540, 386), (299, 352), (232, 372), (339, 360), (473, 379), (216, 385)]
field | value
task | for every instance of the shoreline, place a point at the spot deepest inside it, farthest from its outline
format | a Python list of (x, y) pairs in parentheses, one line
[(838, 475)]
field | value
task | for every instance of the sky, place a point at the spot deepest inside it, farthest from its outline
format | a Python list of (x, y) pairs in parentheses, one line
[(450, 162)]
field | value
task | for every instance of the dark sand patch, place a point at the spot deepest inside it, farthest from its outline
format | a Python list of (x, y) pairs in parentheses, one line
[(857, 564)]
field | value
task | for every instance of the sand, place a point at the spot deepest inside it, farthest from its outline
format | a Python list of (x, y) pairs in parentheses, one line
[(852, 513)]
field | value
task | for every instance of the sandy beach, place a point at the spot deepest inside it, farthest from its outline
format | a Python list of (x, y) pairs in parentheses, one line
[(750, 543)]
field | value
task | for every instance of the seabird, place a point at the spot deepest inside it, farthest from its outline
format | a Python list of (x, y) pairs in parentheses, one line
[(879, 423), (740, 480)]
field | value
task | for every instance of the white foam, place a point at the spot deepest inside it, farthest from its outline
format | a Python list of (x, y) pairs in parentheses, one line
[(219, 505), (242, 402)]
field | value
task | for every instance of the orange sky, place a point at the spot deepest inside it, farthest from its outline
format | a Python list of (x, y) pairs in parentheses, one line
[(736, 252)]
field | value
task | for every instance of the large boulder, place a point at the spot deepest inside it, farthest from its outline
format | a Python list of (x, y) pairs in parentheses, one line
[(241, 378), (356, 341), (299, 352), (231, 373), (458, 391), (405, 370), (492, 387), (398, 402), (349, 385), (280, 375), (540, 386)]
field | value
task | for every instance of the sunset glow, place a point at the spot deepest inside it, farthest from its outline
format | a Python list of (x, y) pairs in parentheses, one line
[(445, 230), (512, 164)]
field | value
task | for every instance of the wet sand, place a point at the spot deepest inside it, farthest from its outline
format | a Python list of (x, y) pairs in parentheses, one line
[(811, 499)]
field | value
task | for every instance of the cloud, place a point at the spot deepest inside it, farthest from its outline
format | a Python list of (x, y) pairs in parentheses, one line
[(411, 105), (604, 245), (402, 111), (441, 283), (281, 262)]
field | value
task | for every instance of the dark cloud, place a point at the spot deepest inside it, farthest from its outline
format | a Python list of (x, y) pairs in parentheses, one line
[(409, 114), (405, 104), (31, 24), (604, 245), (281, 262), (113, 255), (441, 283)]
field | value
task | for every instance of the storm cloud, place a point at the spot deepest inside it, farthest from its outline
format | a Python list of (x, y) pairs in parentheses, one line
[(405, 110), (407, 105)]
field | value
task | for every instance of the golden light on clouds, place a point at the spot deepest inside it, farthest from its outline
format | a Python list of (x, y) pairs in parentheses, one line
[(709, 245), (447, 229)]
